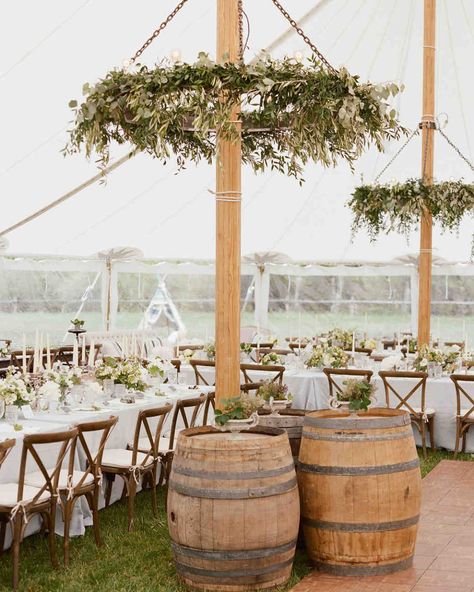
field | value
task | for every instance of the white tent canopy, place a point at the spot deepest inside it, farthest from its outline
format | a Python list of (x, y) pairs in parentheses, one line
[(47, 57)]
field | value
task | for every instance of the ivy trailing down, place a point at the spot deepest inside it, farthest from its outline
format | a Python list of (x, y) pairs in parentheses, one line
[(399, 207), (291, 113)]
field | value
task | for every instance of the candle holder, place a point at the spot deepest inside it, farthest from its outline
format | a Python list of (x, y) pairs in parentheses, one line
[(77, 332)]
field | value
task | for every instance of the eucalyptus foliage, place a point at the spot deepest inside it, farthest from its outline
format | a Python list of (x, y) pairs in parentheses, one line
[(399, 207), (291, 113)]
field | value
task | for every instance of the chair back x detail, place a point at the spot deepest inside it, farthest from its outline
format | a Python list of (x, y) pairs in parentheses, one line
[(335, 387), (275, 372), (198, 366), (402, 401)]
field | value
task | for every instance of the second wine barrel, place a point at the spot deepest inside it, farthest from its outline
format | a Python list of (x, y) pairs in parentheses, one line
[(233, 509), (290, 420), (360, 487)]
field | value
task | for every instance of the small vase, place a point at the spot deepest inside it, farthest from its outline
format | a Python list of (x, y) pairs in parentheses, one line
[(234, 426), (11, 414), (277, 406)]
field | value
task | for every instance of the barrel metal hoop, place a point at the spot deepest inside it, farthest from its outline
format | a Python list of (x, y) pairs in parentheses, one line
[(232, 555), (362, 527), (364, 570), (362, 471), (247, 493), (231, 573), (344, 436), (180, 470), (350, 423)]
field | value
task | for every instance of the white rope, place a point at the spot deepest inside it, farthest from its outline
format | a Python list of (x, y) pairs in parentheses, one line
[(69, 194)]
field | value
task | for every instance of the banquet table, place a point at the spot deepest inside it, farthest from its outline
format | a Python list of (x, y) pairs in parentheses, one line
[(121, 435), (310, 391)]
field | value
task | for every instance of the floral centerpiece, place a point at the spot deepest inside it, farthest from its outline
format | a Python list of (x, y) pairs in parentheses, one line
[(340, 338), (128, 372), (210, 349), (5, 351), (246, 348), (14, 390), (270, 359), (324, 356), (275, 394), (187, 354), (368, 343), (239, 412), (358, 394), (448, 359)]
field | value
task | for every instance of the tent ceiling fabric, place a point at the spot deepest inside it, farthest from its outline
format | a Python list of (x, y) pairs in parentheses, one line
[(172, 216)]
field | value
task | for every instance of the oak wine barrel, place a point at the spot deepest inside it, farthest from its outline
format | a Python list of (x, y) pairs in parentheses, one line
[(233, 509), (290, 420), (360, 488)]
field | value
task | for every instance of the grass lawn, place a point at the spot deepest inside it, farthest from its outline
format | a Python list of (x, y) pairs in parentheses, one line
[(140, 561)]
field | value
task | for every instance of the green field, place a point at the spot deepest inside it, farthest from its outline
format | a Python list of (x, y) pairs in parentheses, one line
[(201, 324)]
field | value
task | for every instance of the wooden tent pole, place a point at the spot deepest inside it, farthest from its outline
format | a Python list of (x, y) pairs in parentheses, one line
[(228, 214), (427, 165)]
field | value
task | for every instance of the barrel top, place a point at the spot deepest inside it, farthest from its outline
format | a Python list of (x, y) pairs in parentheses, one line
[(213, 438), (378, 417)]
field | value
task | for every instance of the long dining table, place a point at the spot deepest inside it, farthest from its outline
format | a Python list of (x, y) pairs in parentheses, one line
[(310, 391), (53, 421)]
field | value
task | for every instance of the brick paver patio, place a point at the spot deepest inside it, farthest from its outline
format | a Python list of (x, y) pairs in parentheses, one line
[(444, 558)]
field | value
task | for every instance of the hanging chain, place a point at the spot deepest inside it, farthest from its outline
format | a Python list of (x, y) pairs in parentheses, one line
[(306, 39), (396, 155), (241, 30), (155, 34), (456, 149)]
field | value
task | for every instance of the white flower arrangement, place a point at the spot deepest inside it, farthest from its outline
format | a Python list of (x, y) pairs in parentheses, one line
[(324, 356), (448, 358), (270, 359), (14, 391), (129, 372), (4, 352)]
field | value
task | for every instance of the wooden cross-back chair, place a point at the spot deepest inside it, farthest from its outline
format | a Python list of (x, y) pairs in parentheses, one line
[(20, 501), (250, 387), (139, 460), (464, 415), (187, 412), (210, 403), (276, 372), (85, 483), (360, 350), (16, 359), (279, 352), (198, 366), (420, 416), (335, 388), (296, 348), (459, 344)]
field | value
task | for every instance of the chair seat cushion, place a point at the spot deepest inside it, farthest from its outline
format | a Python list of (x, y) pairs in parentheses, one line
[(9, 493), (36, 479), (428, 411), (121, 458)]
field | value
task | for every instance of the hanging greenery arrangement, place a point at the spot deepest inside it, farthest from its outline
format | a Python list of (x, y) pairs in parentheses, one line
[(399, 207), (290, 113)]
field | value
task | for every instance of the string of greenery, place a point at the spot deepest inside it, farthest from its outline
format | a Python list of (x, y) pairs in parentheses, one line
[(399, 207), (291, 113)]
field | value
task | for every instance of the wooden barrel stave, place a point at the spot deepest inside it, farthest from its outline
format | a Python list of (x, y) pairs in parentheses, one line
[(233, 510), (360, 492), (290, 420)]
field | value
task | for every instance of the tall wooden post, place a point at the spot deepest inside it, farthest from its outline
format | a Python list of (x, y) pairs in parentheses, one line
[(427, 162), (228, 212)]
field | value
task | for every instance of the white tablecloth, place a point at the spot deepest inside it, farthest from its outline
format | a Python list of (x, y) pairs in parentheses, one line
[(310, 390), (55, 421)]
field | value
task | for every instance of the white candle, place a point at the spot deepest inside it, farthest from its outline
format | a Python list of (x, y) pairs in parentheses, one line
[(134, 345), (353, 342), (177, 346), (23, 365), (35, 353), (75, 354), (83, 356), (366, 325), (40, 355), (91, 353), (48, 353), (299, 332)]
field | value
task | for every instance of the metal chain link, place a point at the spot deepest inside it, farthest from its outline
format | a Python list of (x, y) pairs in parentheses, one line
[(241, 30), (306, 39), (396, 155), (456, 149), (155, 34)]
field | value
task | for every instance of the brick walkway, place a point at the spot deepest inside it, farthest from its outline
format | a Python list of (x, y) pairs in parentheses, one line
[(444, 558)]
